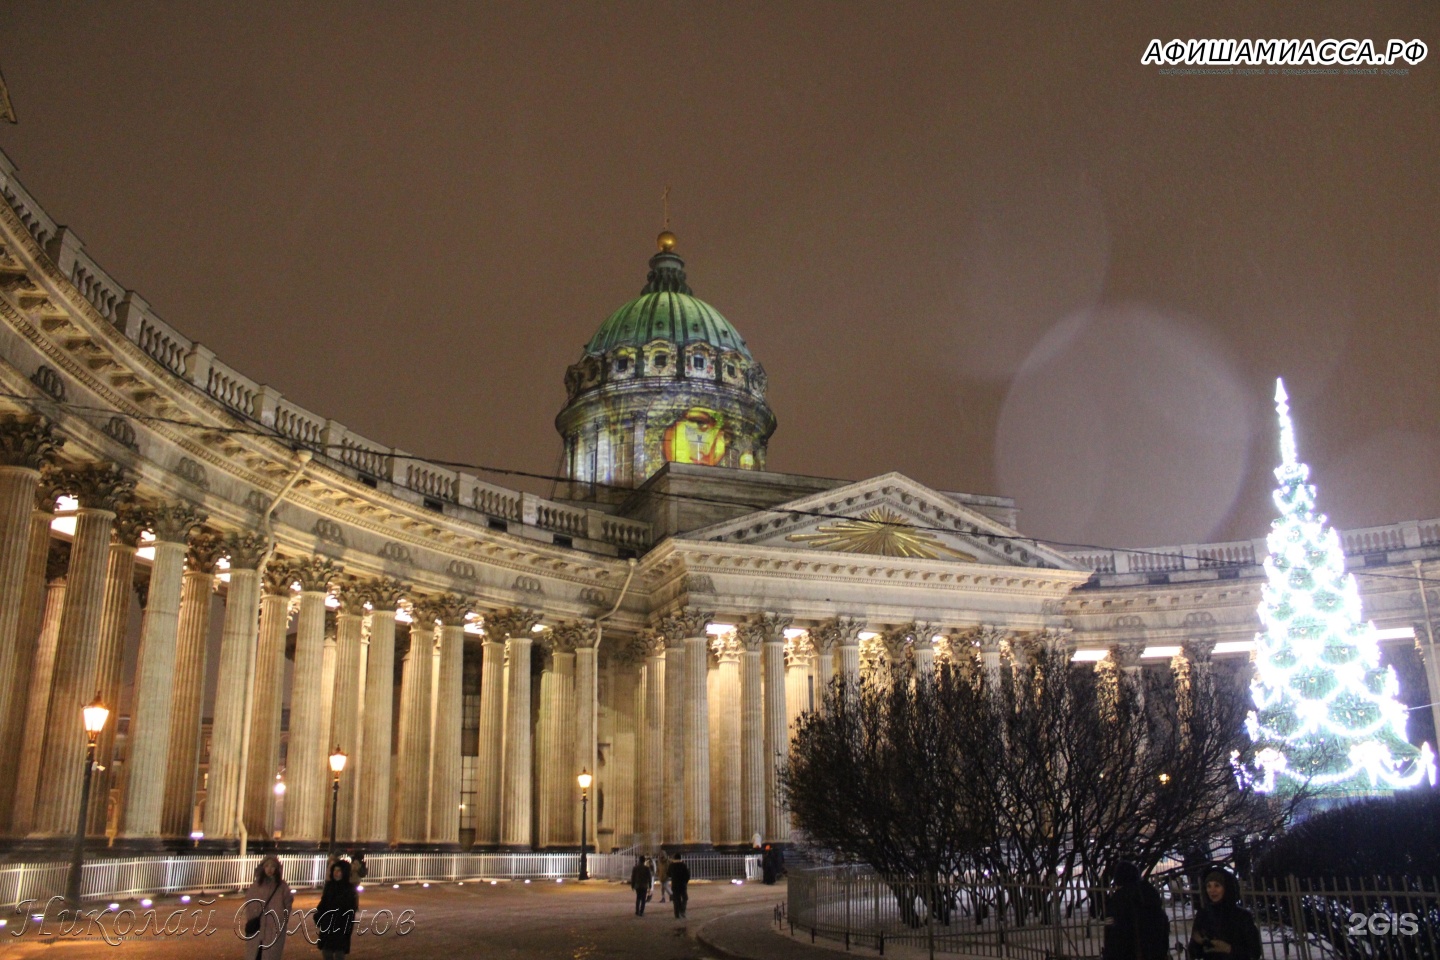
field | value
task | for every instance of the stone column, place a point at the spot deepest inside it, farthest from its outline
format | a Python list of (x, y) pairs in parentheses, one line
[(264, 758), (777, 743), (307, 766), (345, 712), (839, 635), (25, 446), (412, 760), (516, 823), (492, 737), (328, 656), (114, 622), (100, 488), (583, 635), (690, 624), (752, 733), (560, 793), (237, 639), (729, 828), (151, 701), (547, 742), (799, 660), (451, 610), (374, 798), (42, 672), (650, 763), (177, 811), (673, 771), (27, 645)]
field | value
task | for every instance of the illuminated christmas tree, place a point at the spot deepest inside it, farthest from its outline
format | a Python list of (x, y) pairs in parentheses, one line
[(1326, 713)]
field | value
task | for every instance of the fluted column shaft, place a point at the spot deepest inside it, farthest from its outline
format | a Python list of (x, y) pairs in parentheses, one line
[(752, 746), (696, 727), (114, 622), (729, 830), (555, 751), (241, 629), (492, 743), (150, 714), (264, 759), (621, 762), (824, 674), (306, 766), (650, 783), (412, 783), (850, 664), (32, 604), (183, 752), (797, 691), (584, 710), (17, 505), (74, 684), (26, 784), (515, 817), (449, 706), (777, 824), (373, 806), (673, 776), (345, 715)]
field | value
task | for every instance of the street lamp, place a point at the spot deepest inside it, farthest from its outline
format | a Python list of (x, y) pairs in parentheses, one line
[(337, 766), (584, 779), (95, 714)]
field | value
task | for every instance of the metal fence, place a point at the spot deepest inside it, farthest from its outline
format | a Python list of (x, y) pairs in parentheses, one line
[(1376, 919), (160, 876)]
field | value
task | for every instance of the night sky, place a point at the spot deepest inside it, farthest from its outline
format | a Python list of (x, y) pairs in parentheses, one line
[(978, 244)]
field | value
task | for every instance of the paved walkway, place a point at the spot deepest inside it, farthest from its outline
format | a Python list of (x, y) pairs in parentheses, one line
[(512, 920)]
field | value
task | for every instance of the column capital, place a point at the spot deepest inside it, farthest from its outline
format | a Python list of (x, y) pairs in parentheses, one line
[(353, 596), (173, 522), (648, 643), (1198, 651), (575, 635), (1126, 656), (131, 520), (315, 573), (51, 486), (837, 632), (513, 623), (279, 576), (57, 562), (799, 651), (205, 551), (246, 550), (386, 593), (687, 622), (450, 609), (28, 442), (769, 627), (728, 647), (98, 486)]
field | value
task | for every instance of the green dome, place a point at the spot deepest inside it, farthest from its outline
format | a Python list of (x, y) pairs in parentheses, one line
[(666, 310)]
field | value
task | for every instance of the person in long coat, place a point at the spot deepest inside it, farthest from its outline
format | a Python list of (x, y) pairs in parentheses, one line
[(1223, 929), (335, 914), (640, 880), (269, 898)]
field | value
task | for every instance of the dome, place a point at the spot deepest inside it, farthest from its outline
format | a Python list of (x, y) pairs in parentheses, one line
[(666, 310)]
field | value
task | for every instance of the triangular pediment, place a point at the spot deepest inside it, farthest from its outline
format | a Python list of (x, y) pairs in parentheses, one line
[(888, 516)]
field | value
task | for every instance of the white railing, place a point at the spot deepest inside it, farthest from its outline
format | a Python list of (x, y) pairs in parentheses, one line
[(161, 876)]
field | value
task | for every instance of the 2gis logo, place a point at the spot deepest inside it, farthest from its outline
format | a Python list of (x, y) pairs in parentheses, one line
[(1383, 924)]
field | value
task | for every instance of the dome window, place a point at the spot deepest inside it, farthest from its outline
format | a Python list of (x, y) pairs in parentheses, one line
[(730, 370), (699, 362), (622, 365), (661, 359)]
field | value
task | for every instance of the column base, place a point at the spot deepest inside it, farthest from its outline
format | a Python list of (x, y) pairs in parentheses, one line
[(147, 846), (688, 848), (514, 848)]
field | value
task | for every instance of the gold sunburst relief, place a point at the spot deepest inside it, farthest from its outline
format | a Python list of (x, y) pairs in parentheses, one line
[(880, 531)]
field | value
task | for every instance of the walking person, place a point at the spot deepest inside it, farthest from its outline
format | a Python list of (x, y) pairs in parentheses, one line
[(640, 880), (679, 885), (1223, 929), (662, 874), (335, 915), (266, 911), (1136, 925)]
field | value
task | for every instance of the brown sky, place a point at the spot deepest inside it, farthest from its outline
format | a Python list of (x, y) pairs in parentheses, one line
[(979, 244)]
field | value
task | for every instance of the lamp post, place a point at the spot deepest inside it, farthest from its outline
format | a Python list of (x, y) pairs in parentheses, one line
[(95, 714), (337, 766), (584, 779)]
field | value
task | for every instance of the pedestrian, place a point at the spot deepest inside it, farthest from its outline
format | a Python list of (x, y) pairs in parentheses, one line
[(1223, 929), (335, 915), (662, 874), (266, 910), (767, 865), (1136, 925), (640, 880), (360, 870), (679, 885)]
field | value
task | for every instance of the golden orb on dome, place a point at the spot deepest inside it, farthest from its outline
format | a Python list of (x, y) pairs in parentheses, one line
[(666, 241)]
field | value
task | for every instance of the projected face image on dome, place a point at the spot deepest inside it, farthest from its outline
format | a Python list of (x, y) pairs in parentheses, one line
[(701, 436)]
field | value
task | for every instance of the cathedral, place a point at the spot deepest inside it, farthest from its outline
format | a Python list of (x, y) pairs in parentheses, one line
[(471, 649)]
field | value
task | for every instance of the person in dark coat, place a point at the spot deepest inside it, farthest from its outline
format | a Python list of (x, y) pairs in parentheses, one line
[(1223, 930), (640, 880), (335, 915), (1136, 925), (767, 865), (680, 885)]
